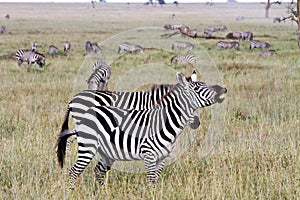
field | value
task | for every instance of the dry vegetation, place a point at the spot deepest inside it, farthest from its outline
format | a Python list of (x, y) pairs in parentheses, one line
[(257, 151)]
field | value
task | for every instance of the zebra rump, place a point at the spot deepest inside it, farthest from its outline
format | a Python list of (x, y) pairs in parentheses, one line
[(148, 135), (259, 44)]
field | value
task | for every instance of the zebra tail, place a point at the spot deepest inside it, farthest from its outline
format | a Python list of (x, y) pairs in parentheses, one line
[(62, 144), (65, 125)]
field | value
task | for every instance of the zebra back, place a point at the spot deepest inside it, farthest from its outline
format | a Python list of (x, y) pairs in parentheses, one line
[(99, 77)]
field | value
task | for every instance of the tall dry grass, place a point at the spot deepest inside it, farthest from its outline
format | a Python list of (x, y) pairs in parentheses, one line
[(257, 151)]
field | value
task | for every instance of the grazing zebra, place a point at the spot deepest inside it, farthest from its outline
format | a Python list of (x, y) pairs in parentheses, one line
[(227, 45), (100, 76), (96, 48), (247, 36), (67, 46), (184, 59), (148, 135), (221, 28), (209, 30), (53, 50), (259, 44), (88, 46), (3, 30), (182, 45), (30, 57), (234, 35), (266, 53), (131, 48)]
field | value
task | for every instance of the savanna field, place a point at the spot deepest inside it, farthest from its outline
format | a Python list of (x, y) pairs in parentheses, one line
[(245, 148)]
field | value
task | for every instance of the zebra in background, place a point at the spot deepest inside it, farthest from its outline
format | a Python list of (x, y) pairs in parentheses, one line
[(131, 48), (52, 50), (227, 45), (259, 44), (182, 45), (148, 135), (100, 76), (209, 30), (221, 28), (234, 35), (266, 53), (247, 36), (67, 46), (184, 59), (92, 47), (3, 30), (30, 57)]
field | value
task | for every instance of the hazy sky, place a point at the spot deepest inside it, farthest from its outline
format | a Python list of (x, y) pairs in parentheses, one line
[(133, 1)]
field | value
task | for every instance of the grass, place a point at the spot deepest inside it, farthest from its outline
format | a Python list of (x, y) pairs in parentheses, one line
[(256, 149)]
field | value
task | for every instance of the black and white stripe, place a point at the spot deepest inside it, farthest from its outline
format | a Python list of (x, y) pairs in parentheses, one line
[(227, 45), (148, 135), (99, 77), (30, 57), (184, 59), (247, 36), (259, 44), (131, 48)]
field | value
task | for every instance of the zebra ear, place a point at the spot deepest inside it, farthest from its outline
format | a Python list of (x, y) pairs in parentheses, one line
[(181, 79)]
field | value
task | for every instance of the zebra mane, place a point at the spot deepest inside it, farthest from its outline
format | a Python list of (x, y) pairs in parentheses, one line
[(40, 54), (171, 89)]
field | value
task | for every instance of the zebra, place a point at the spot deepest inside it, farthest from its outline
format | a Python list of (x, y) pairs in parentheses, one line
[(259, 44), (52, 50), (80, 102), (247, 36), (184, 59), (266, 53), (88, 46), (7, 16), (100, 76), (67, 46), (33, 47), (227, 45), (147, 135), (221, 28), (96, 48), (30, 57), (3, 30), (234, 35), (131, 48), (183, 45), (209, 30)]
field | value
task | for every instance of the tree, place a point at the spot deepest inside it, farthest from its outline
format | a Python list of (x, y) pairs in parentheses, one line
[(268, 5)]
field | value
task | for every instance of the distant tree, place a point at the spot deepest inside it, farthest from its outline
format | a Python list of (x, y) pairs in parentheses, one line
[(268, 5)]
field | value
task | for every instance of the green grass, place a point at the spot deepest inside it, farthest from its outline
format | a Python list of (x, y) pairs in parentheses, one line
[(256, 154)]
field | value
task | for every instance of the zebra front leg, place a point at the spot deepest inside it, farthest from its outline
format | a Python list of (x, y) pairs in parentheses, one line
[(102, 168), (84, 158)]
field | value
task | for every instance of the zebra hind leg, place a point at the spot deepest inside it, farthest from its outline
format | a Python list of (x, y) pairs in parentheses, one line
[(84, 158), (101, 169), (159, 167), (151, 168)]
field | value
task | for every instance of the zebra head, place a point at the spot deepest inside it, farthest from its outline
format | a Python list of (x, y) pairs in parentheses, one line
[(201, 94)]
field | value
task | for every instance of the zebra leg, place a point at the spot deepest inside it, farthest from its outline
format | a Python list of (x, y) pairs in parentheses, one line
[(84, 158), (150, 167), (159, 167), (103, 166)]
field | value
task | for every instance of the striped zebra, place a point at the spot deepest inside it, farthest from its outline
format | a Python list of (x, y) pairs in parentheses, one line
[(184, 59), (247, 36), (88, 46), (67, 46), (227, 45), (182, 45), (259, 44), (30, 57), (266, 53), (234, 35), (131, 48), (53, 50), (99, 77), (147, 135)]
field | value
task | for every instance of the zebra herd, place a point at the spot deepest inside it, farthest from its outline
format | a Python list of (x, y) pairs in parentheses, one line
[(133, 125)]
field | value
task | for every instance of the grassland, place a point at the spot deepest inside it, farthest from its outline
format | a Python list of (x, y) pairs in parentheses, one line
[(256, 154)]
